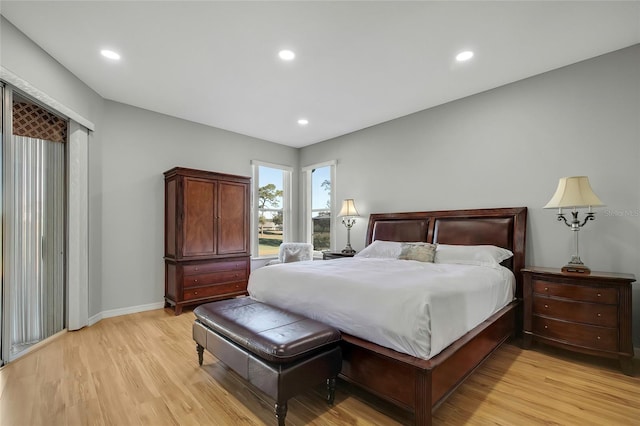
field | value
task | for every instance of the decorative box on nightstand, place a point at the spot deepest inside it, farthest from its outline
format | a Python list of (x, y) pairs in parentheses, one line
[(589, 313), (327, 255)]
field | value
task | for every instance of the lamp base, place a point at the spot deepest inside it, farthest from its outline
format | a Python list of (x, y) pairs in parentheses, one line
[(348, 250), (575, 265), (576, 268)]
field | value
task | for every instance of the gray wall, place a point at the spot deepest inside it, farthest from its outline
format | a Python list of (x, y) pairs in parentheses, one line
[(508, 147), (139, 146)]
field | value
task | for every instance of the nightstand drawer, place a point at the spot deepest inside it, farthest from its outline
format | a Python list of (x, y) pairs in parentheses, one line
[(602, 338), (576, 292), (214, 278), (587, 313)]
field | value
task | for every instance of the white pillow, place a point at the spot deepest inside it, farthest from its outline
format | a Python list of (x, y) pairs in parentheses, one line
[(382, 249), (484, 255)]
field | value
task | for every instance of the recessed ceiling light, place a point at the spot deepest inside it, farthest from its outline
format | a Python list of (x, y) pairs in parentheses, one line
[(464, 56), (286, 55), (303, 122), (110, 54)]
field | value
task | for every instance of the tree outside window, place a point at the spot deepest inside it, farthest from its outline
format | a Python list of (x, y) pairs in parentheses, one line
[(270, 203), (321, 208)]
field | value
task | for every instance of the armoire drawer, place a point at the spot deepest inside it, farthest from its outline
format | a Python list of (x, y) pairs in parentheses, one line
[(214, 290), (214, 278), (225, 265), (582, 312)]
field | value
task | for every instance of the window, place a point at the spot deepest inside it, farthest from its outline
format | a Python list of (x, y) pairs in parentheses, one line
[(272, 208), (319, 220)]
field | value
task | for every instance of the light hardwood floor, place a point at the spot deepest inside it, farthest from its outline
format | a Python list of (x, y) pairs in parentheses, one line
[(143, 369)]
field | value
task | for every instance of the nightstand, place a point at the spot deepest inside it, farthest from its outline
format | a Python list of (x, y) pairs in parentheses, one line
[(327, 255), (579, 312)]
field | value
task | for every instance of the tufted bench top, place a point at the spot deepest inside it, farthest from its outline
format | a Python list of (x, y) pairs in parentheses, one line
[(268, 332)]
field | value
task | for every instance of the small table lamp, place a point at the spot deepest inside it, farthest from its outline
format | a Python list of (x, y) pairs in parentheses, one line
[(574, 192), (348, 214)]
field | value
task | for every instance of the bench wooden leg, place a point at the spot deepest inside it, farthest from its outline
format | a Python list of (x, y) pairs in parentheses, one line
[(200, 350), (281, 412), (331, 390)]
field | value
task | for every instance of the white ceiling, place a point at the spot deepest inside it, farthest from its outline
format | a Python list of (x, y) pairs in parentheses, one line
[(358, 63)]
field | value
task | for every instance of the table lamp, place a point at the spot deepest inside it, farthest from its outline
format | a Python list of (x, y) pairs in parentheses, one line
[(574, 192), (348, 214)]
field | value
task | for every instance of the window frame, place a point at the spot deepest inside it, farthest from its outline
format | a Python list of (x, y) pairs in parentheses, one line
[(308, 210), (287, 172)]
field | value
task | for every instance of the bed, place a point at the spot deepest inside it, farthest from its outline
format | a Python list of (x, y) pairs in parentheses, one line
[(415, 383)]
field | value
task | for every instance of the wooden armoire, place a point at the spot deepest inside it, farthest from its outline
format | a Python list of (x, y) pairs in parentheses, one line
[(207, 236)]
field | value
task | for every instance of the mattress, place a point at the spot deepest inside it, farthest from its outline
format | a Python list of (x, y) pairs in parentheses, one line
[(417, 308)]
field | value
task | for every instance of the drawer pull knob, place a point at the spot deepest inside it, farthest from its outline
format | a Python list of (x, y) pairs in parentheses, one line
[(195, 281), (598, 337), (197, 269), (546, 289), (545, 327), (546, 306), (195, 292), (599, 314), (599, 295)]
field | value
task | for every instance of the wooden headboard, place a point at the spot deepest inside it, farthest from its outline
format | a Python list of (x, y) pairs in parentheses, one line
[(503, 227)]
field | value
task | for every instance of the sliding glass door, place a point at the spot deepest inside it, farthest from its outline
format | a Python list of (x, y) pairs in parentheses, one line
[(33, 234)]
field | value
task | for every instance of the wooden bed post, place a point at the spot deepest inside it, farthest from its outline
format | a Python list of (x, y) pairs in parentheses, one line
[(423, 406)]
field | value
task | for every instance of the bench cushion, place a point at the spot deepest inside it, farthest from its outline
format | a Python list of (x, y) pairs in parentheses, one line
[(271, 333)]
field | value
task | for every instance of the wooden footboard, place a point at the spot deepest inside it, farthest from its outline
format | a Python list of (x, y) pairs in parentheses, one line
[(418, 385)]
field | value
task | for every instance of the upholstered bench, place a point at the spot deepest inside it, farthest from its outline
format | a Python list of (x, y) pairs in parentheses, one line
[(279, 352)]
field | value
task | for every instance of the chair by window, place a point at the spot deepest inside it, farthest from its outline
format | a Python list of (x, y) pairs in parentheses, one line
[(293, 252)]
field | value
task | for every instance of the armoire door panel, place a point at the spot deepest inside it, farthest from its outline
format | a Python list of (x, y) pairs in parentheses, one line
[(232, 221), (199, 217), (170, 219)]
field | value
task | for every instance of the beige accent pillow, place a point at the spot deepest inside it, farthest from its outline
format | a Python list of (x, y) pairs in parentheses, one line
[(422, 252)]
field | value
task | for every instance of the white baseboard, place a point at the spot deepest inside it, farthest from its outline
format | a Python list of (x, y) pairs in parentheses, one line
[(124, 311)]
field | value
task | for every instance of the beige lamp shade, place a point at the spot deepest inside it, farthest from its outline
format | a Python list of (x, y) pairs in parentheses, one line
[(574, 191), (348, 209)]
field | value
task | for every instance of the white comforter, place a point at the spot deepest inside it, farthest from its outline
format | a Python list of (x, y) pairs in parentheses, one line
[(412, 307)]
